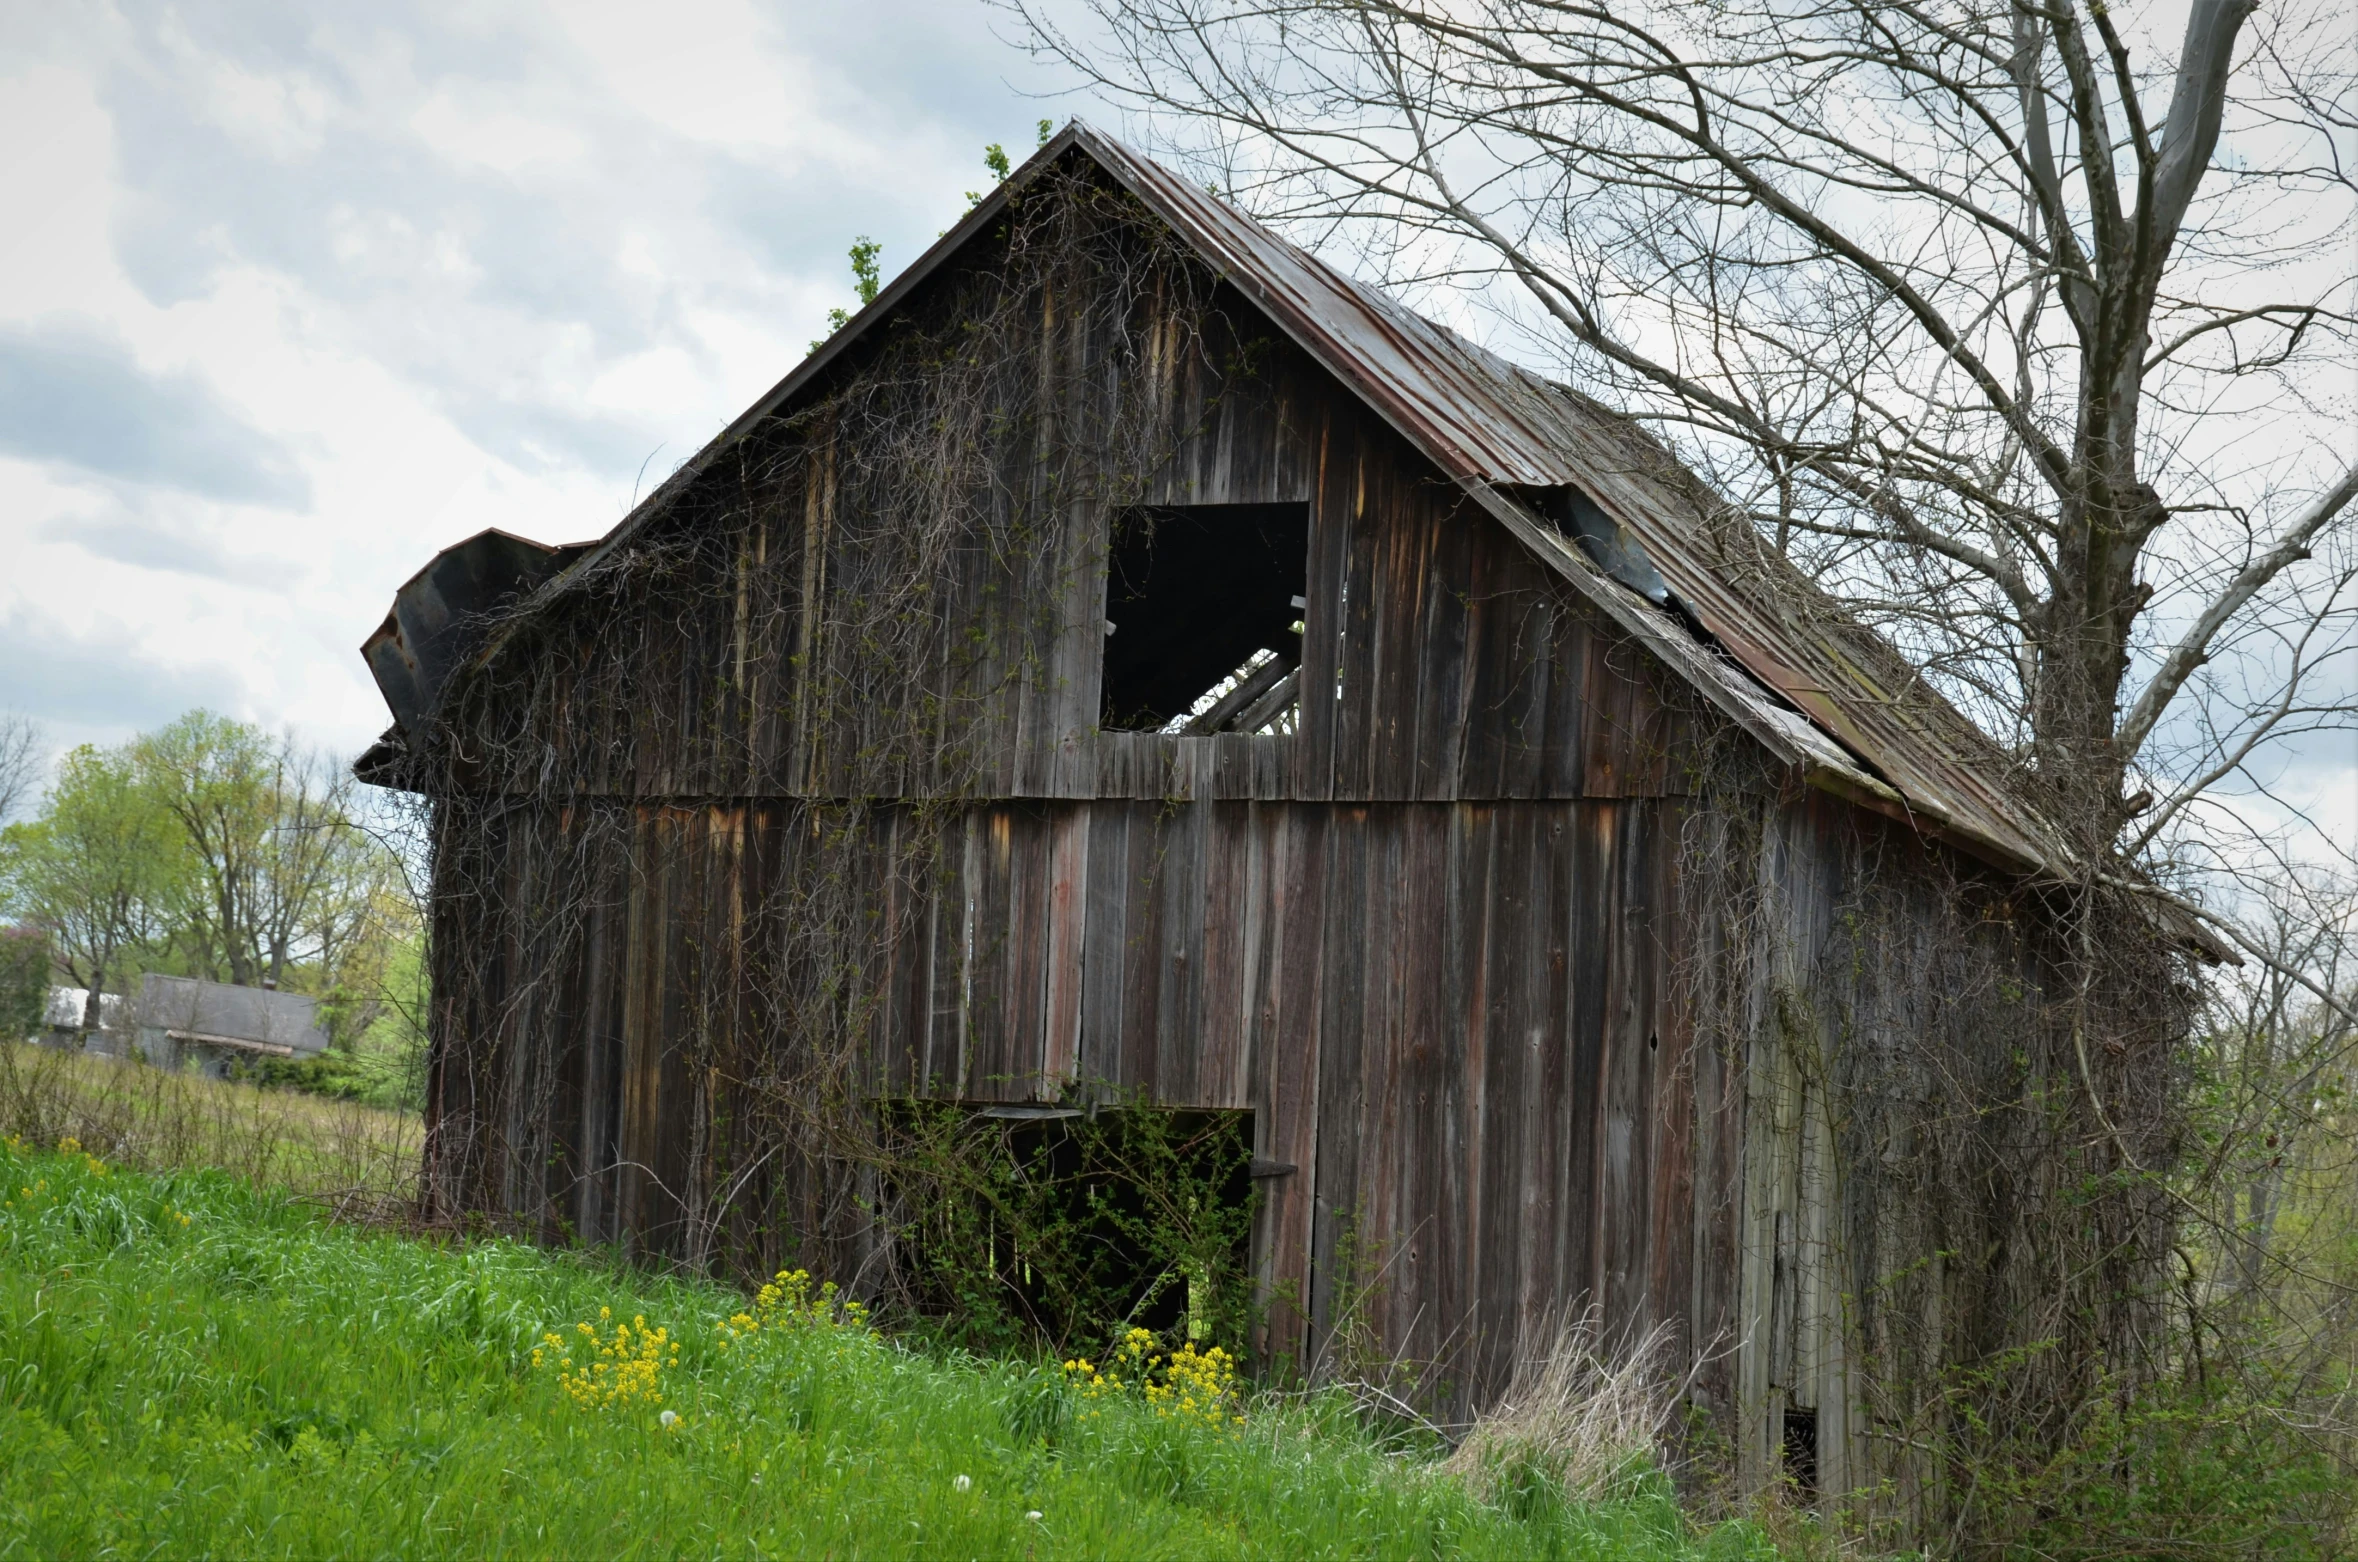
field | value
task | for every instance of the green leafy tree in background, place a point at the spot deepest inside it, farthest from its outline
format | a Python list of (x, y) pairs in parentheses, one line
[(24, 979), (280, 872), (101, 869), (210, 848)]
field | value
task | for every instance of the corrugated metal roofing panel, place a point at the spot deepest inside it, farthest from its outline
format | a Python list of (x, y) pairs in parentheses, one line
[(1490, 424)]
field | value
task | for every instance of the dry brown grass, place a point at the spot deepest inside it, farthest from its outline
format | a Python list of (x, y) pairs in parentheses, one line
[(359, 1160), (1586, 1421)]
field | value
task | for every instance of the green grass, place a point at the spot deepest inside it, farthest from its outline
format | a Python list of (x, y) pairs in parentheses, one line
[(189, 1365)]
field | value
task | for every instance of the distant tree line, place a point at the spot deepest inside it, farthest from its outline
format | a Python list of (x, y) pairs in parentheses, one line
[(210, 848)]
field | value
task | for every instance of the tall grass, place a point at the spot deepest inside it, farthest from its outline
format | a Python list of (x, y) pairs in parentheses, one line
[(191, 1365), (1578, 1420), (356, 1159)]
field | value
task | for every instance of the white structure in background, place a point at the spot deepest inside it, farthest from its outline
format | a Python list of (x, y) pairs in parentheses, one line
[(182, 1020), (61, 1021)]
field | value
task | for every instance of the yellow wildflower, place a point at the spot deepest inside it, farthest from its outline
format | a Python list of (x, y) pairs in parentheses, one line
[(627, 1369), (1188, 1385), (790, 1301)]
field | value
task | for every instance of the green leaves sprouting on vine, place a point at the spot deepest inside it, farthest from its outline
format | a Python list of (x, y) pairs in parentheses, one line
[(867, 281), (995, 158)]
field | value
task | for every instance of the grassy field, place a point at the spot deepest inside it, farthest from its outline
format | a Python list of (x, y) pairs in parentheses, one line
[(354, 1159), (192, 1365)]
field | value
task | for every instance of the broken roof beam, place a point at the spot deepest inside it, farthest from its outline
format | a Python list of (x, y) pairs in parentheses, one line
[(1247, 692)]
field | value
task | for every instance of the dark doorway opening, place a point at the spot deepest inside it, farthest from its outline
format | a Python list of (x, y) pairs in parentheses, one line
[(1203, 605), (1031, 1224), (1801, 1450)]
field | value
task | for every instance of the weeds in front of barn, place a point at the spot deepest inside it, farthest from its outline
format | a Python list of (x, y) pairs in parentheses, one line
[(190, 1365), (353, 1159)]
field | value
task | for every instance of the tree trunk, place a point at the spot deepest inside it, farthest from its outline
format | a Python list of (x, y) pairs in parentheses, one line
[(2094, 600), (94, 1003)]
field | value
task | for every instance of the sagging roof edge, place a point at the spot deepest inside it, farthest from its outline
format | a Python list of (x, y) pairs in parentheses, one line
[(1817, 757), (1814, 756)]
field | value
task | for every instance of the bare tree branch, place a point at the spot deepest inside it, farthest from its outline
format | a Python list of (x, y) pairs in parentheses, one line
[(2197, 106), (24, 754), (2193, 647)]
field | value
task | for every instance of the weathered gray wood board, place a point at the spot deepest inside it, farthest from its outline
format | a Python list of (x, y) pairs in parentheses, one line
[(1452, 1017)]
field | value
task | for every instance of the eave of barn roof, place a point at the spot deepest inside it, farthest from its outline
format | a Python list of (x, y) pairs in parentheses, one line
[(1816, 687), (1495, 427)]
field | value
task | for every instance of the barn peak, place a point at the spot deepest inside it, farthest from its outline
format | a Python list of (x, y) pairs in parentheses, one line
[(1593, 496)]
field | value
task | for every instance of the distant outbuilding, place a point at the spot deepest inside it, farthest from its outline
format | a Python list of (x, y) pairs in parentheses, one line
[(181, 1020), (62, 1016)]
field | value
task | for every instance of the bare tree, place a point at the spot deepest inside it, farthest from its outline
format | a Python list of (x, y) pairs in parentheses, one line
[(2035, 342), (24, 753), (2280, 1063)]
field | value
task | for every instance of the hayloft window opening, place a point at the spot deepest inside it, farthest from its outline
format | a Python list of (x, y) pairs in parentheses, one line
[(1204, 608)]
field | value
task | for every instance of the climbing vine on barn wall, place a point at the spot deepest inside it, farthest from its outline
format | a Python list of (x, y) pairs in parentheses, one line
[(769, 709), (1963, 1114)]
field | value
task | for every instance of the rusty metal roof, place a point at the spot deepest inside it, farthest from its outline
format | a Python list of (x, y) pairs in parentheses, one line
[(1873, 727), (1782, 658), (442, 612)]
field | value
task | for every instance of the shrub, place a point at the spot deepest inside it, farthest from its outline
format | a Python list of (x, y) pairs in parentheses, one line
[(2192, 1467), (1013, 1234), (24, 980)]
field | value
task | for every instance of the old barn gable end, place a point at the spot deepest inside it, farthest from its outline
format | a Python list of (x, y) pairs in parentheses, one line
[(1529, 896), (1754, 638)]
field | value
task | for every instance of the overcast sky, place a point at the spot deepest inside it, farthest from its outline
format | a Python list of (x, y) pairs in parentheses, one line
[(293, 295)]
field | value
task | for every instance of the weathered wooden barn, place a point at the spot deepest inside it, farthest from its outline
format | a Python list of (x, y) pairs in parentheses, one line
[(1133, 660)]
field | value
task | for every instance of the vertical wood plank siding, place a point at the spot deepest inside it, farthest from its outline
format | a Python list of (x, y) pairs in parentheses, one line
[(1445, 941), (1448, 1017), (1445, 663)]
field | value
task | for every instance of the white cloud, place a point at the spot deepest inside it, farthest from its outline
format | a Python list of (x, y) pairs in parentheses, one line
[(56, 186), (290, 298), (716, 71), (483, 128)]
